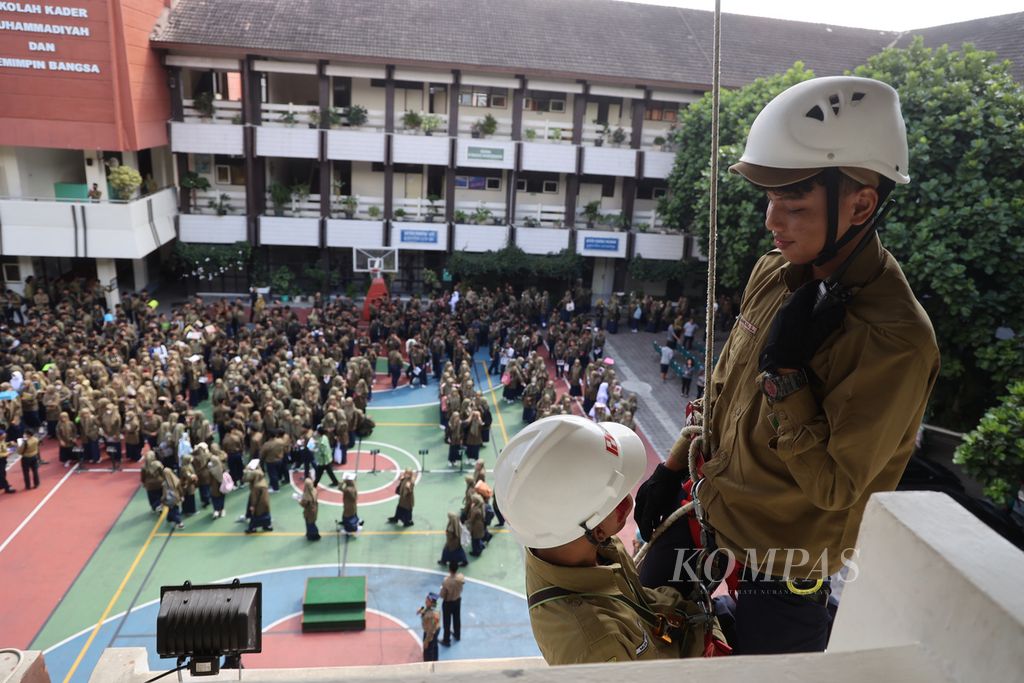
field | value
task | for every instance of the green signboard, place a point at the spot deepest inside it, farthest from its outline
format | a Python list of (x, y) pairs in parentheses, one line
[(486, 153)]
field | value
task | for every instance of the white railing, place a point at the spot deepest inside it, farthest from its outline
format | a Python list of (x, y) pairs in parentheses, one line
[(419, 208), (540, 215), (375, 119), (649, 134), (652, 219), (291, 115), (234, 201), (609, 219), (504, 130), (224, 111), (307, 208), (440, 129), (470, 209), (547, 131), (363, 209), (592, 131)]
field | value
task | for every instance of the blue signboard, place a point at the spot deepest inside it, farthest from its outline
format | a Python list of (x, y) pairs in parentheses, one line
[(419, 236), (601, 243)]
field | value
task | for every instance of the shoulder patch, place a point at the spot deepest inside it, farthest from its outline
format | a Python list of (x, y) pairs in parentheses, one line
[(645, 644)]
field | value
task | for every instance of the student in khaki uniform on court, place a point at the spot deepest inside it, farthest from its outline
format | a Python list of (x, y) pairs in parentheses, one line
[(564, 485), (823, 382)]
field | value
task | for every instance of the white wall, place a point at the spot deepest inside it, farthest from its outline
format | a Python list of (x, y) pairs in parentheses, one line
[(366, 95), (366, 183), (40, 168), (294, 88)]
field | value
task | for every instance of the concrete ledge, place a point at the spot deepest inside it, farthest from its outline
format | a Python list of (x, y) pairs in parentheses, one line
[(23, 666)]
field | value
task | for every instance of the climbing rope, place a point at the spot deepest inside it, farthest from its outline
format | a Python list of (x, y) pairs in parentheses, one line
[(699, 433)]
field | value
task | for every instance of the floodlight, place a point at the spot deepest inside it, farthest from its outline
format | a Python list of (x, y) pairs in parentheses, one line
[(203, 623)]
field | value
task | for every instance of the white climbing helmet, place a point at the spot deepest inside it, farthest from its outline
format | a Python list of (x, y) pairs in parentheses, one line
[(839, 121), (564, 472)]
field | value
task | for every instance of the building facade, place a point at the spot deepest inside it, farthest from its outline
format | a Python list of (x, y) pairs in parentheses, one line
[(312, 129)]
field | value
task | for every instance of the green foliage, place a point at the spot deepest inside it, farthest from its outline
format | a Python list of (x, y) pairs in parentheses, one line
[(124, 180), (204, 105), (221, 205), (280, 195), (373, 212), (399, 214), (431, 122), (412, 120), (488, 125), (430, 279), (194, 181), (531, 134), (592, 211), (742, 238), (994, 452), (656, 270), (460, 216), (349, 205), (481, 215), (956, 228), (512, 264), (618, 136), (207, 261), (357, 115), (282, 280), (288, 118)]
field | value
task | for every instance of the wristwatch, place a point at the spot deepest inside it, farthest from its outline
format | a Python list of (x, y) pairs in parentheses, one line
[(777, 387)]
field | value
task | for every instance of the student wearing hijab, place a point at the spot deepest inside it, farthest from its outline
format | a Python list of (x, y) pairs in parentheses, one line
[(258, 509), (453, 550), (406, 499), (215, 468), (152, 479), (309, 504), (188, 486), (350, 514), (172, 497)]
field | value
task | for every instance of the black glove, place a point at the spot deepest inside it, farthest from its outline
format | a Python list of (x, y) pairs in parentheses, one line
[(798, 330), (656, 499)]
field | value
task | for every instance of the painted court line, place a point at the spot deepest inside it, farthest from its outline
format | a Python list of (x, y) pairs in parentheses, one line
[(37, 508), (292, 534), (117, 595), (494, 402)]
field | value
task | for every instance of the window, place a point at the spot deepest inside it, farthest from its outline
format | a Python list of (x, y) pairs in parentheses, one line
[(659, 192), (607, 184), (662, 111), (12, 272), (223, 174), (544, 101), (533, 182), (650, 189), (476, 182), (494, 183), (482, 96)]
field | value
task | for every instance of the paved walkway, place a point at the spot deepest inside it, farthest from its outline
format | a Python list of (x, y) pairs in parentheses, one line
[(662, 405)]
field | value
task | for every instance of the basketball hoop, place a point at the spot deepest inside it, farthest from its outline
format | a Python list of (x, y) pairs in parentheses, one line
[(374, 261)]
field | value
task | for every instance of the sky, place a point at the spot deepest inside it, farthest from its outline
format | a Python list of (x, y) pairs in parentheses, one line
[(887, 15)]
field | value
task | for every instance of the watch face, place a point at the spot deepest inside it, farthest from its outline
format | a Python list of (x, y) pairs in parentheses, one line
[(771, 389)]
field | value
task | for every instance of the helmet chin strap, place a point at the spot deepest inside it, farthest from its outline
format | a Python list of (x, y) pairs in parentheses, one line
[(592, 539)]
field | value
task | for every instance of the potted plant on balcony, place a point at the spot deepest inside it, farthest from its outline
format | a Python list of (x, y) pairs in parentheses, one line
[(220, 205), (433, 211), (530, 134), (357, 115), (192, 182), (642, 227), (659, 142), (531, 222), (373, 212), (488, 125), (280, 195), (411, 120), (618, 136), (602, 133), (204, 106), (125, 181), (460, 217), (592, 212), (289, 117), (349, 205), (556, 134), (399, 214), (431, 122), (481, 215), (300, 193)]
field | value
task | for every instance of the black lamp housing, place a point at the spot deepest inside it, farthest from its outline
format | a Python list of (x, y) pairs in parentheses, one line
[(206, 622)]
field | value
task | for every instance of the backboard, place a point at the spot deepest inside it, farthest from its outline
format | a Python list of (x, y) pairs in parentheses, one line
[(374, 260)]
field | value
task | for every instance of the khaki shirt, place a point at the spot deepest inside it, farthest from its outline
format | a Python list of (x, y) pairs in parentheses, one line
[(451, 587), (577, 630), (430, 620), (797, 474)]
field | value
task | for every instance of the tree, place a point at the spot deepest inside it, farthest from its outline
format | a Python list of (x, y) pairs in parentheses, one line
[(955, 229), (742, 238), (994, 452)]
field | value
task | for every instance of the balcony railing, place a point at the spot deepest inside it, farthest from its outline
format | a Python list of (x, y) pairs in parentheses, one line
[(419, 209), (467, 124), (547, 131), (475, 212), (441, 127), (288, 114), (308, 207), (540, 215), (365, 208), (224, 111), (104, 229), (593, 132), (214, 201)]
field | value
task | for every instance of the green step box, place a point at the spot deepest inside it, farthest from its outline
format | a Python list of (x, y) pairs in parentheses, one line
[(334, 604)]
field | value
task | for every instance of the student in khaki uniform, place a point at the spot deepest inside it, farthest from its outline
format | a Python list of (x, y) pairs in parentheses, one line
[(564, 482), (310, 507), (152, 479), (451, 608), (823, 382), (258, 508), (431, 623), (28, 449), (406, 499), (350, 521)]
